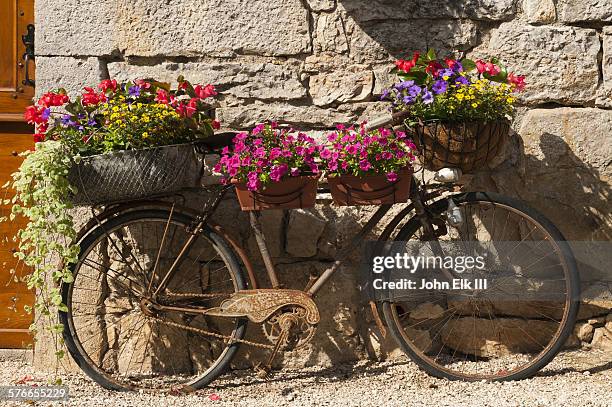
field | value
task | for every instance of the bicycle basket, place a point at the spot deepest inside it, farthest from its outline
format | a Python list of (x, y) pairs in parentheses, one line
[(135, 174), (471, 146)]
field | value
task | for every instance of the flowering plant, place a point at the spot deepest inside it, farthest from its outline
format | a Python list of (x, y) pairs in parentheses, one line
[(454, 90), (268, 154), (361, 153), (114, 116), (131, 115)]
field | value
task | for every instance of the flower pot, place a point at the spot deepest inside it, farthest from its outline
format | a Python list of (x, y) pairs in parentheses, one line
[(135, 174), (471, 146), (290, 193), (370, 190)]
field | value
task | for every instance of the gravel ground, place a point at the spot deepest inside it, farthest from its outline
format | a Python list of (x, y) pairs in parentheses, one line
[(578, 378)]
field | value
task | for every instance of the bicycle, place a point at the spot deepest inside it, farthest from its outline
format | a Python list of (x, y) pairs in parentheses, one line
[(128, 295)]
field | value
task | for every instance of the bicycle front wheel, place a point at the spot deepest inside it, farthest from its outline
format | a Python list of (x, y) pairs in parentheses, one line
[(125, 337), (512, 329)]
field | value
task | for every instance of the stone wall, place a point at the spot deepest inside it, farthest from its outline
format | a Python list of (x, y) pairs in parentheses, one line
[(315, 63)]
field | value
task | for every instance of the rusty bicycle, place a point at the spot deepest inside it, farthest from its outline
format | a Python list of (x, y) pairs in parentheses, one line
[(162, 295)]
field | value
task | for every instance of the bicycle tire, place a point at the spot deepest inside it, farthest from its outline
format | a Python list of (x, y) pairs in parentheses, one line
[(70, 333), (573, 283)]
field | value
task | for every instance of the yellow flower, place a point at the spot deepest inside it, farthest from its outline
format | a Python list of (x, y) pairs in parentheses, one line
[(474, 105), (145, 135)]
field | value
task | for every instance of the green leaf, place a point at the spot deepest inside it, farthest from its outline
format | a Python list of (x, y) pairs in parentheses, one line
[(431, 54), (468, 64)]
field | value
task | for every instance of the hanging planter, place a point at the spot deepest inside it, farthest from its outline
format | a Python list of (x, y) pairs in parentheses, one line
[(291, 193), (471, 146), (134, 174), (370, 190), (458, 111)]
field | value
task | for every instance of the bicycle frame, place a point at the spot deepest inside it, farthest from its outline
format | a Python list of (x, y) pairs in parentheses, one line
[(417, 197)]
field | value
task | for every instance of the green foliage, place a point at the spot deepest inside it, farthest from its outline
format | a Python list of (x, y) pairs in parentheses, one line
[(42, 192)]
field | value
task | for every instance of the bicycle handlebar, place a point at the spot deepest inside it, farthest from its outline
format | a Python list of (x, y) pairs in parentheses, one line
[(386, 120)]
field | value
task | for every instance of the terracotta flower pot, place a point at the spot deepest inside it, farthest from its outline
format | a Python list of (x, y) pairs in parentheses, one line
[(471, 146), (370, 190), (290, 193)]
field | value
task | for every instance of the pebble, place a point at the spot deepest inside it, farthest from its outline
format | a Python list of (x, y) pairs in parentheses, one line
[(376, 384)]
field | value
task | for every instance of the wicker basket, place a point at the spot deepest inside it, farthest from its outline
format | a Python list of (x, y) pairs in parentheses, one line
[(471, 146), (135, 174)]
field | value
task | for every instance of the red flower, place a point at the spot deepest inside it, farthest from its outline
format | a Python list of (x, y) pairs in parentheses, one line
[(91, 97), (42, 127), (204, 92), (517, 80), (187, 110), (142, 83), (46, 100), (481, 66), (451, 63), (53, 99), (216, 124), (33, 114), (162, 97), (108, 84), (433, 67), (192, 107), (60, 99), (407, 65), (214, 397), (39, 137), (183, 85), (492, 69)]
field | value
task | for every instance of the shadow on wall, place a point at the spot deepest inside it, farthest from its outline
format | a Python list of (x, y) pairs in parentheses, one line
[(399, 27), (569, 191)]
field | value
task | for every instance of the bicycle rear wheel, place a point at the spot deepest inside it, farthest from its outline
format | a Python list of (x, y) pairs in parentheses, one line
[(115, 329), (488, 336)]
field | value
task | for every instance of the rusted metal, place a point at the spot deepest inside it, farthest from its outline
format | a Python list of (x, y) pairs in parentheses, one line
[(377, 319), (239, 251), (258, 305), (263, 248), (367, 228)]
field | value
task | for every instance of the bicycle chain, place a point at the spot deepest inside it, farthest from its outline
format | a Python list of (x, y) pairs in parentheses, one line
[(227, 338)]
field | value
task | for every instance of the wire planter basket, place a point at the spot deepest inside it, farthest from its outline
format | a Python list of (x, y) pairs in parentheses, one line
[(470, 146), (135, 174)]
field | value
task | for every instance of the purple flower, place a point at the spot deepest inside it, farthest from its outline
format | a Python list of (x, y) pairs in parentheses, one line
[(66, 120), (295, 172), (385, 94), (408, 100), (445, 72), (428, 97), (457, 67), (461, 80), (45, 114), (365, 165), (439, 86), (404, 85), (391, 176), (260, 152), (91, 122), (134, 91), (414, 90), (325, 154)]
